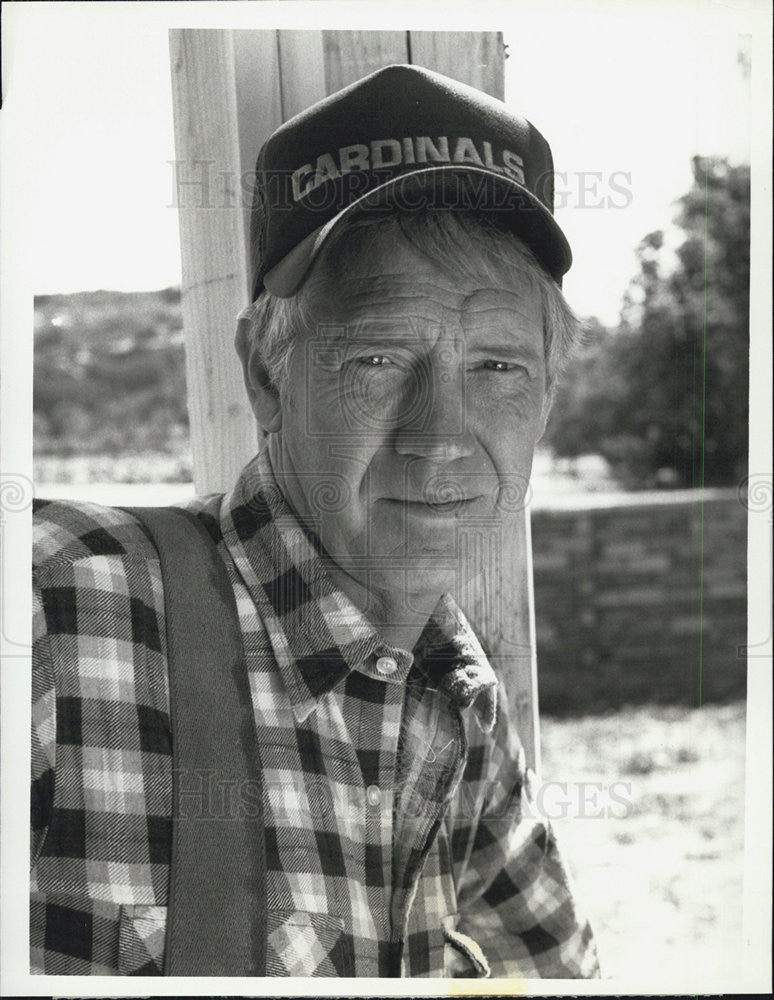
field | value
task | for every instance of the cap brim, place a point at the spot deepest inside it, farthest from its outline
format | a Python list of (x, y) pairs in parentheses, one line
[(523, 213)]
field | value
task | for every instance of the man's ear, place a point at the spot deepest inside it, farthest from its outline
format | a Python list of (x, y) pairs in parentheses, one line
[(263, 396)]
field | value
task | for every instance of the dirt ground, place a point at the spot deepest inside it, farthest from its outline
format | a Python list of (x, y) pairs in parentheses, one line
[(657, 848)]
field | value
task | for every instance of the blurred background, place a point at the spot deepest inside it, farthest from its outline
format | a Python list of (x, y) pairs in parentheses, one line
[(638, 516)]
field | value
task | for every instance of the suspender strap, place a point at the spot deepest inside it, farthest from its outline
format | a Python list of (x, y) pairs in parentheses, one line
[(216, 922)]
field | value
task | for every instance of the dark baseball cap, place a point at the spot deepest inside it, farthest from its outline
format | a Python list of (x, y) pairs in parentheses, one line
[(401, 139)]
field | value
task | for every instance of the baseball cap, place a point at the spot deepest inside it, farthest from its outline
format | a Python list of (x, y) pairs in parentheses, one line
[(403, 138)]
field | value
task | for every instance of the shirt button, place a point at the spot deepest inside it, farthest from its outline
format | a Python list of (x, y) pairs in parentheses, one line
[(374, 795), (386, 665)]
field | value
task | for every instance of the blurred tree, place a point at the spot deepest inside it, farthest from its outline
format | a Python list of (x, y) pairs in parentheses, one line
[(664, 396)]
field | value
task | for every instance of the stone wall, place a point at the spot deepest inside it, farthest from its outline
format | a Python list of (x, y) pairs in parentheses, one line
[(640, 598)]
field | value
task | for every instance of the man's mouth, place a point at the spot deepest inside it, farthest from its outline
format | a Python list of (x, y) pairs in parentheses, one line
[(439, 504)]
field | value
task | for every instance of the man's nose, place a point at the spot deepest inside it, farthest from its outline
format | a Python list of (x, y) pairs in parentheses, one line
[(434, 419)]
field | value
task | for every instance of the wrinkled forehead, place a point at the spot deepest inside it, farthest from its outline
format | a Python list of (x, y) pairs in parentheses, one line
[(382, 285), (410, 260)]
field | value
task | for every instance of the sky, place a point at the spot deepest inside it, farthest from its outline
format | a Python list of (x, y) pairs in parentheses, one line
[(625, 102)]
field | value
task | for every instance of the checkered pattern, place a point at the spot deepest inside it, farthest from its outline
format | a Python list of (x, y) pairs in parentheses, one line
[(396, 835)]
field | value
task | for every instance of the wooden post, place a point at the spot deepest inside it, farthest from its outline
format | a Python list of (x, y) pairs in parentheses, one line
[(350, 55), (212, 242), (473, 57), (231, 90)]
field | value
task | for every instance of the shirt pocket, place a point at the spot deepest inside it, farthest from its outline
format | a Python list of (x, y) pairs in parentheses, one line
[(300, 943), (462, 956)]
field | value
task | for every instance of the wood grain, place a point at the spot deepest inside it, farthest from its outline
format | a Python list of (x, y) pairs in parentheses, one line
[(499, 602), (258, 105), (302, 70), (350, 55), (473, 57), (212, 241)]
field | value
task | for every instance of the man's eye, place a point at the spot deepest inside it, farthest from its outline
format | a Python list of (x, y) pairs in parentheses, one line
[(373, 360), (500, 366)]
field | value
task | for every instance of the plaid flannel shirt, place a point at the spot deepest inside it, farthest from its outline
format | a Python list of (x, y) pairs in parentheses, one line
[(401, 836)]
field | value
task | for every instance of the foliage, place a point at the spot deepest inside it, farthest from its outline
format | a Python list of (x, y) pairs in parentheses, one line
[(664, 396), (109, 374)]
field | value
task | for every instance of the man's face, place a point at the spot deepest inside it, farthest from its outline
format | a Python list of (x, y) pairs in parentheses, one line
[(411, 414)]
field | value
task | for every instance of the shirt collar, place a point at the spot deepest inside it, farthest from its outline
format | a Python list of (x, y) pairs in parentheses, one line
[(317, 634)]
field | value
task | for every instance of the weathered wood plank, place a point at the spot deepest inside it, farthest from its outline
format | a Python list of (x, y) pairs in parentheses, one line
[(350, 55), (258, 106), (223, 434), (525, 667), (302, 70), (499, 603), (473, 57)]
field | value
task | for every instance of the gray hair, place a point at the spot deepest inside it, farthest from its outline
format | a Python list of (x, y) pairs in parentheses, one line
[(465, 244)]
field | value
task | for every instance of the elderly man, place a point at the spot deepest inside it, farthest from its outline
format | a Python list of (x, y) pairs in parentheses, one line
[(400, 354)]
